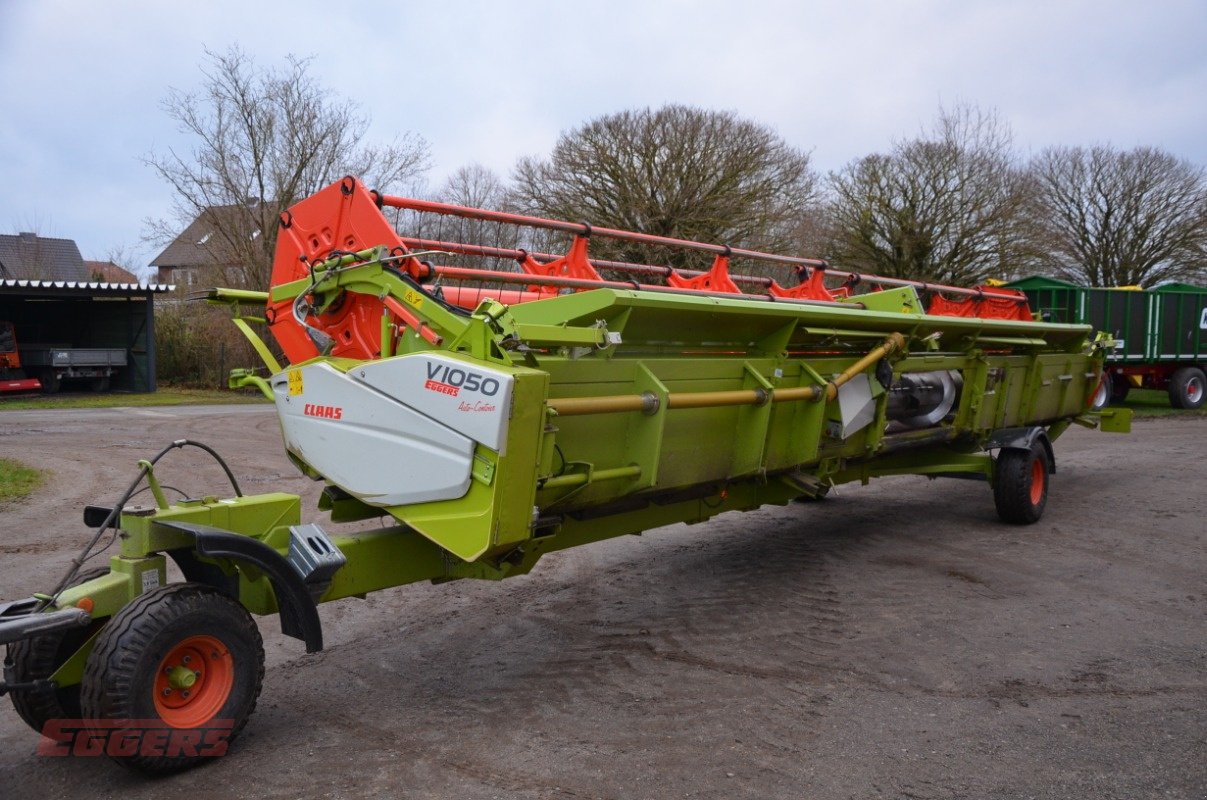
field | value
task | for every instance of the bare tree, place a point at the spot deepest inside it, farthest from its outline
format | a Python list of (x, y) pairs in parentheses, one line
[(1108, 217), (263, 139), (472, 185), (674, 171), (945, 206)]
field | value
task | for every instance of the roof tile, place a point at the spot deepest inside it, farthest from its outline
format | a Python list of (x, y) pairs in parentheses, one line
[(27, 255)]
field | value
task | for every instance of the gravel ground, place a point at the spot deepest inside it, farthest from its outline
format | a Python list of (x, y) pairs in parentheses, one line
[(893, 641)]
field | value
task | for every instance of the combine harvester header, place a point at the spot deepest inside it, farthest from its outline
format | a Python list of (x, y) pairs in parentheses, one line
[(573, 391), (499, 414)]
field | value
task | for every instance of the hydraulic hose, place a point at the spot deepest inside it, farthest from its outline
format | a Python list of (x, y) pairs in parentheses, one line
[(116, 511)]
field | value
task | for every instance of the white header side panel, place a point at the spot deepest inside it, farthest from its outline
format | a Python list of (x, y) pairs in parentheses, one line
[(467, 397), (369, 445)]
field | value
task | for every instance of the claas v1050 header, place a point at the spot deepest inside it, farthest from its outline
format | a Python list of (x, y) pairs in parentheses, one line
[(498, 414)]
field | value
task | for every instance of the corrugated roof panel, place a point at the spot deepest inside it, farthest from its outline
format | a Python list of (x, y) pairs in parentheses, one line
[(85, 286)]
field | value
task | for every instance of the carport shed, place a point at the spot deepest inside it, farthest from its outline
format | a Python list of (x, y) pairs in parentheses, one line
[(79, 314)]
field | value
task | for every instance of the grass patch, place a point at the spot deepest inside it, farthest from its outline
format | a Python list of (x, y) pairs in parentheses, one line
[(165, 397), (1155, 403), (17, 481)]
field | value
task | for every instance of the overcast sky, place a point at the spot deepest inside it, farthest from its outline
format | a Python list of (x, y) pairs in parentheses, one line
[(82, 81)]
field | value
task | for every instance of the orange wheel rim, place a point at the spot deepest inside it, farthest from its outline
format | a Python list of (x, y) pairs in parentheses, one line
[(1038, 476), (194, 681)]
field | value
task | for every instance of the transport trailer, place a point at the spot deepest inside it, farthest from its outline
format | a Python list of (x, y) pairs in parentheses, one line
[(496, 415), (56, 364), (33, 367), (1160, 333)]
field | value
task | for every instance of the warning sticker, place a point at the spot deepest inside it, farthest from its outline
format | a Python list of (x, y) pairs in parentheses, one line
[(150, 580), (295, 381), (413, 298)]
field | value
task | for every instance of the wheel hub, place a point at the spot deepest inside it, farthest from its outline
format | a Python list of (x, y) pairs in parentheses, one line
[(194, 681), (181, 677)]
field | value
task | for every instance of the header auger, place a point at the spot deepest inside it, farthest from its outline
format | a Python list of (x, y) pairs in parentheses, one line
[(496, 415)]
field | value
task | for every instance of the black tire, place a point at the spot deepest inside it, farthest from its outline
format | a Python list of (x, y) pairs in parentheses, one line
[(99, 384), (50, 381), (1020, 483), (1187, 388), (38, 658), (1120, 386), (133, 651)]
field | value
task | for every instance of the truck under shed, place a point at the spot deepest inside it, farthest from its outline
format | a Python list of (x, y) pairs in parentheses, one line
[(88, 315)]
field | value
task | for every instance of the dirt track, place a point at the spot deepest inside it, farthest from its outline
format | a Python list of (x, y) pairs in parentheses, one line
[(894, 641)]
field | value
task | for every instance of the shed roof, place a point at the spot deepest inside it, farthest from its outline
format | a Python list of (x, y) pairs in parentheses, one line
[(15, 286)]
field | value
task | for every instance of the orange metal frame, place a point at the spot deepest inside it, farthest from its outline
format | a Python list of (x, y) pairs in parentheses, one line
[(346, 217)]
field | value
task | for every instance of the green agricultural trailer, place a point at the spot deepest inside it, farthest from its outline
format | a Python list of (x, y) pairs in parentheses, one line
[(1160, 333), (498, 412)]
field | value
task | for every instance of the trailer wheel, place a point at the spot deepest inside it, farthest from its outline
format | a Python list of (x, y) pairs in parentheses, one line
[(185, 656), (1187, 388), (1120, 386), (99, 384), (39, 657), (1020, 483), (50, 381)]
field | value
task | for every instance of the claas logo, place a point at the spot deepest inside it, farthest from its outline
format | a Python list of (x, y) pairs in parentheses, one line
[(323, 412)]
